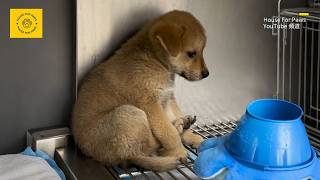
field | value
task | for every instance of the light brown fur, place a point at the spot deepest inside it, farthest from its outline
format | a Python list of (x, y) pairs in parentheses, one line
[(126, 110)]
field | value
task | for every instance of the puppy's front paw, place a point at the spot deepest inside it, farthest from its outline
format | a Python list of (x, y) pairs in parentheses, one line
[(184, 123), (188, 121)]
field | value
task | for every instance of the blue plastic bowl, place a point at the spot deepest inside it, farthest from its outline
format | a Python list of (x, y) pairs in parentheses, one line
[(270, 142), (270, 135)]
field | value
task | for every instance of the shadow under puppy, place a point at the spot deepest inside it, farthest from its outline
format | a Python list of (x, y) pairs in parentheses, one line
[(126, 110)]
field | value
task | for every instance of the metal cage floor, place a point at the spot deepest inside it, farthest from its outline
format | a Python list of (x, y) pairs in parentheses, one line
[(184, 170), (77, 166)]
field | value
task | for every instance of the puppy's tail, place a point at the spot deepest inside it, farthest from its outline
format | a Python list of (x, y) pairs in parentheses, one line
[(155, 163)]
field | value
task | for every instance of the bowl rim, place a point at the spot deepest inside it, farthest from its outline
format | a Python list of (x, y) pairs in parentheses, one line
[(274, 120)]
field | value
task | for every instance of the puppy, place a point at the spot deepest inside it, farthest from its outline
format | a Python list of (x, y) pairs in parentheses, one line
[(126, 110)]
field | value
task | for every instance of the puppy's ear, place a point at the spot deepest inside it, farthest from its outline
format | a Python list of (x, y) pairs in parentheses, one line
[(168, 35)]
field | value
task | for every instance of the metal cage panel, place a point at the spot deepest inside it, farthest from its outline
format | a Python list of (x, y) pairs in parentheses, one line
[(299, 68)]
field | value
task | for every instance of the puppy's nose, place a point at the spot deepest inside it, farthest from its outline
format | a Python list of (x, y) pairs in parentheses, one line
[(205, 73)]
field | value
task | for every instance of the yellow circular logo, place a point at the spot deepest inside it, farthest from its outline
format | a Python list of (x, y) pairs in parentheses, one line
[(27, 23)]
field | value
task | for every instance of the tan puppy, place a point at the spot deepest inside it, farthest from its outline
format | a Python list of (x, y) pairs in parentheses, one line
[(126, 110)]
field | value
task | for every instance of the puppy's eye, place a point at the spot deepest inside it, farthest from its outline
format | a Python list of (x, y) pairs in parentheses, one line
[(191, 54)]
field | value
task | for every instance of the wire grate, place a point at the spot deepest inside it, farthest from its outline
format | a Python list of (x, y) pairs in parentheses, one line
[(184, 170)]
